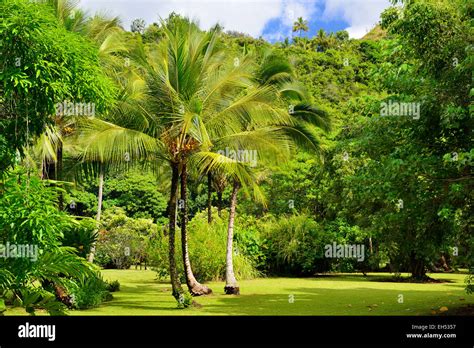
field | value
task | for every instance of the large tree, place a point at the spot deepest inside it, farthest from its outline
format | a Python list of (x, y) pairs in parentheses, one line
[(42, 64), (407, 176)]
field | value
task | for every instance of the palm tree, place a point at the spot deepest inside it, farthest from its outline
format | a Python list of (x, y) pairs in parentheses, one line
[(193, 84), (99, 208), (322, 39), (108, 34), (209, 197), (215, 181), (220, 182), (300, 25), (272, 139)]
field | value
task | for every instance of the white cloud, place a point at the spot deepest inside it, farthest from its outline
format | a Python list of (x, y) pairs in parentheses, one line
[(291, 11), (361, 15), (248, 16)]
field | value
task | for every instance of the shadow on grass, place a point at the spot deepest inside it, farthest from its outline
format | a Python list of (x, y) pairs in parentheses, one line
[(382, 278), (338, 302), (148, 297)]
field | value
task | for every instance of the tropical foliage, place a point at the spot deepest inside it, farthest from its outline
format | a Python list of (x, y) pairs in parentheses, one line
[(214, 156)]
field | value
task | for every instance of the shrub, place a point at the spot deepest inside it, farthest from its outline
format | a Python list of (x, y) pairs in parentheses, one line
[(294, 246), (207, 251), (123, 241), (113, 286), (3, 308), (136, 192), (29, 215), (81, 236), (185, 300), (248, 240), (88, 293)]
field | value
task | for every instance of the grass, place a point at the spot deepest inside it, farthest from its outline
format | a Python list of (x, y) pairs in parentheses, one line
[(341, 294)]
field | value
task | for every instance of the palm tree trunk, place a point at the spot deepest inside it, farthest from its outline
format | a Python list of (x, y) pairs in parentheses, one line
[(219, 203), (231, 286), (195, 288), (44, 169), (175, 283), (209, 197), (59, 172), (99, 209)]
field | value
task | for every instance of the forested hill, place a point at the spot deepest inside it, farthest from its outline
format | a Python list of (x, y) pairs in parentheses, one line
[(333, 67), (212, 155)]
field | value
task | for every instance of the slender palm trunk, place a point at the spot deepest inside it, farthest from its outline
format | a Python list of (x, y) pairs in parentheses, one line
[(209, 197), (99, 208), (219, 203), (175, 283), (59, 172), (195, 288), (44, 169), (231, 286)]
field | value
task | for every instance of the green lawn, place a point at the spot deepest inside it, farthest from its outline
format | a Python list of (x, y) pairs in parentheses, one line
[(347, 294)]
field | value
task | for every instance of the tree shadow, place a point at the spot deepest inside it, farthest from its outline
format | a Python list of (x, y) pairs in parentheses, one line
[(360, 301)]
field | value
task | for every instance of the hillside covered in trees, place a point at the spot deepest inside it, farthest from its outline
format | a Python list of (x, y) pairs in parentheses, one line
[(212, 156)]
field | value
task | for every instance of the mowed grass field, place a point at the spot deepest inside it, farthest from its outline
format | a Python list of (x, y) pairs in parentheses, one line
[(339, 294)]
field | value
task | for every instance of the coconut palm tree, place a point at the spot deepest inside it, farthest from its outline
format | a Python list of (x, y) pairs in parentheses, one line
[(193, 85), (301, 128), (196, 84), (300, 25)]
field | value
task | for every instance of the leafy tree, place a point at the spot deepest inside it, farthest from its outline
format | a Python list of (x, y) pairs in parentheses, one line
[(40, 70), (136, 193)]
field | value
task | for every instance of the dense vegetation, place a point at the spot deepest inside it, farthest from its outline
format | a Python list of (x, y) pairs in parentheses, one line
[(261, 154)]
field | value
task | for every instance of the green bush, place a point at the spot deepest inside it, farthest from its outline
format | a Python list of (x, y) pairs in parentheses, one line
[(207, 251), (81, 236), (88, 293), (29, 215), (295, 246), (185, 300), (113, 286), (248, 240), (136, 192), (122, 240)]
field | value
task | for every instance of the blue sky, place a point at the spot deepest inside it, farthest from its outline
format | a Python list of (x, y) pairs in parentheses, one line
[(271, 19)]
